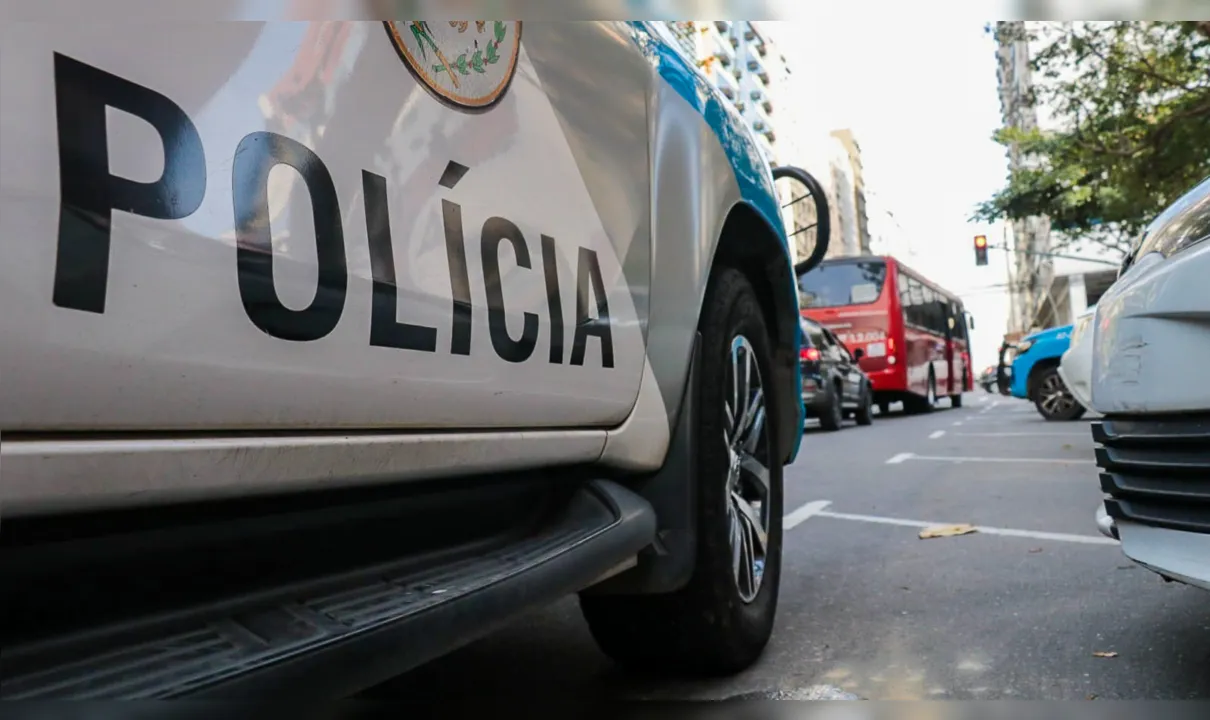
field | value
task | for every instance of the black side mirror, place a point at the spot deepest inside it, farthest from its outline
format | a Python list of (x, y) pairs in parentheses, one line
[(858, 354), (970, 321), (810, 211)]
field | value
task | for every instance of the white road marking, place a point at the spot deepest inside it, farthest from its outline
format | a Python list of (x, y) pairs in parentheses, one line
[(803, 513), (936, 434), (1025, 434), (957, 423), (968, 458), (1005, 532)]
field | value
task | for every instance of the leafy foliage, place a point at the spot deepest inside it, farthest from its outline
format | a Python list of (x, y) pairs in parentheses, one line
[(1130, 106)]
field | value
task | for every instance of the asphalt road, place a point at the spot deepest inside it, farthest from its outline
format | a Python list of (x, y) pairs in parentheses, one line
[(869, 608)]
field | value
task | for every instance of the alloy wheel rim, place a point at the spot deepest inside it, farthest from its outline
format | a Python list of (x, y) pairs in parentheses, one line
[(747, 440), (1056, 399)]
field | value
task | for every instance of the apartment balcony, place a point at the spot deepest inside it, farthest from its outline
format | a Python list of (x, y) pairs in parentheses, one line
[(723, 26), (726, 84), (764, 128), (761, 98), (722, 50), (757, 68)]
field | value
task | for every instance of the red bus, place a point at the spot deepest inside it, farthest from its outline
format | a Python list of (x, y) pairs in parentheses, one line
[(912, 334)]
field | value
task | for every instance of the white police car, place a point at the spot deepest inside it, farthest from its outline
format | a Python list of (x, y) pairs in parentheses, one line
[(327, 347), (1151, 334)]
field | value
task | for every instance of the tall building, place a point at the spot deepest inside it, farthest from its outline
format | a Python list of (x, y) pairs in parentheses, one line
[(736, 58), (841, 185), (743, 63), (861, 215), (1033, 273)]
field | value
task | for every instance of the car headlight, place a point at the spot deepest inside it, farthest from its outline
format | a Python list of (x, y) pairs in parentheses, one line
[(1024, 346)]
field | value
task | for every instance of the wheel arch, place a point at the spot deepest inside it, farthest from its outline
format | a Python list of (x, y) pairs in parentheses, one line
[(748, 243)]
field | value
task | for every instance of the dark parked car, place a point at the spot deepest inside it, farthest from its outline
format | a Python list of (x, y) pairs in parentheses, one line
[(833, 386)]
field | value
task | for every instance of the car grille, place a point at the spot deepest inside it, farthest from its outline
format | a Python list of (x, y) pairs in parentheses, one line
[(1156, 471)]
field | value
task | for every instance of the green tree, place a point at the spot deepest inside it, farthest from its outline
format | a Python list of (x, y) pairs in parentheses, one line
[(1130, 106)]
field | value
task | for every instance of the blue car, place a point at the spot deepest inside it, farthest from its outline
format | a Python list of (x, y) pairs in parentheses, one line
[(1035, 374)]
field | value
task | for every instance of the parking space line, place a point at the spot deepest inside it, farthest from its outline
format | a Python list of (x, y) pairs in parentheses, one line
[(957, 423), (1005, 532), (796, 518), (969, 458), (817, 508), (1025, 434), (936, 434)]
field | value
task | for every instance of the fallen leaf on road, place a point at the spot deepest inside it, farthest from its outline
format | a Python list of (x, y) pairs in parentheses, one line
[(1105, 654), (1035, 550), (1066, 446), (1093, 696), (940, 531)]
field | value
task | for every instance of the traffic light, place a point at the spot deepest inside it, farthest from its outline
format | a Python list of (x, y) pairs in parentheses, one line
[(980, 249)]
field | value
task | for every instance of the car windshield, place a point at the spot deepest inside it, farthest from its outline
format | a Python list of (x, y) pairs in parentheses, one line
[(842, 283)]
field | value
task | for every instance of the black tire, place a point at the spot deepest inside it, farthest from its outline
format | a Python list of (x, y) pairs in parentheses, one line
[(926, 404), (956, 401), (884, 409), (1052, 398), (832, 419), (865, 408), (707, 628)]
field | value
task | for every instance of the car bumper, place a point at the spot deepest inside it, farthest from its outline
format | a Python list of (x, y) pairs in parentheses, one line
[(813, 394), (1155, 473), (1172, 554), (1077, 379)]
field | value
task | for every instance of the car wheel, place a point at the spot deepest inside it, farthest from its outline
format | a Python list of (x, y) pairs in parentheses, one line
[(919, 406), (865, 408), (832, 419), (1052, 398), (721, 621), (956, 401), (884, 408)]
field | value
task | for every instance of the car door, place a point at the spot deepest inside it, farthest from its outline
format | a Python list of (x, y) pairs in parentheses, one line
[(322, 225)]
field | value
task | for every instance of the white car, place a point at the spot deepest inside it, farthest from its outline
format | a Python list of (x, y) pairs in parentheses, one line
[(1151, 335), (328, 347), (1075, 365)]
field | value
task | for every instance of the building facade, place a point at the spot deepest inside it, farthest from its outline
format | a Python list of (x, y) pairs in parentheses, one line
[(1033, 272), (861, 217), (741, 59)]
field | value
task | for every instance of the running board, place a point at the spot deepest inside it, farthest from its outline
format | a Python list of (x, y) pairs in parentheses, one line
[(335, 636)]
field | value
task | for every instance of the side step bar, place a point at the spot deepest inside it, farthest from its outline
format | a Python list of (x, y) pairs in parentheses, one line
[(333, 637)]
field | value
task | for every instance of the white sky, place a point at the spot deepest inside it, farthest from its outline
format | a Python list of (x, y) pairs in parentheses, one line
[(920, 95)]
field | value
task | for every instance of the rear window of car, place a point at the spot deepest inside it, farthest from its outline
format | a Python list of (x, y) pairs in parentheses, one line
[(813, 333), (843, 283)]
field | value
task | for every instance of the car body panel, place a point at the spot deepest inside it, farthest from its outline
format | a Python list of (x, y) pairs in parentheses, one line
[(1075, 365), (1152, 327), (174, 350), (1047, 345), (163, 353)]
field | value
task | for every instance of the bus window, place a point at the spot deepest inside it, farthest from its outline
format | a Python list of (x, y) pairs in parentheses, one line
[(843, 283)]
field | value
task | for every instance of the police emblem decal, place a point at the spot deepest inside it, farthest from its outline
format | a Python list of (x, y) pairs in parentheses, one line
[(469, 64)]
